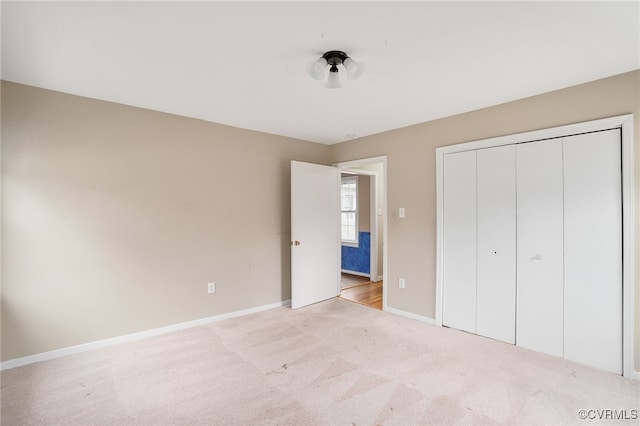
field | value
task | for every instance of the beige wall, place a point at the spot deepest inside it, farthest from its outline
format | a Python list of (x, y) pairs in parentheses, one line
[(411, 173), (115, 218), (364, 204)]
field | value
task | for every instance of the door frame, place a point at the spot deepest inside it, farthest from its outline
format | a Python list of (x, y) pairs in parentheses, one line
[(347, 166), (623, 122)]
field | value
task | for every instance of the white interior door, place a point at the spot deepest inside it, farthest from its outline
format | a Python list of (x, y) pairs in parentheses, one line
[(540, 273), (315, 248), (593, 250), (496, 289), (459, 226)]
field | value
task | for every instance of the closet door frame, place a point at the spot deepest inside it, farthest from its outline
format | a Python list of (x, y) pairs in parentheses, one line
[(623, 122)]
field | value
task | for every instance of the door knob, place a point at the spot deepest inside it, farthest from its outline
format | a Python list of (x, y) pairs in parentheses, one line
[(295, 243)]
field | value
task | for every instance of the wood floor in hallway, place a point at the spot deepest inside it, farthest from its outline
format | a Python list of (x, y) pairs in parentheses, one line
[(362, 291)]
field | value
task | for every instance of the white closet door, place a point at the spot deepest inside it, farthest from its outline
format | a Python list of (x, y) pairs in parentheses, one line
[(459, 214), (593, 250), (539, 305), (496, 200)]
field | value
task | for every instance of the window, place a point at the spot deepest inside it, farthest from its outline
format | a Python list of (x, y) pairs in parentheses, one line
[(349, 211)]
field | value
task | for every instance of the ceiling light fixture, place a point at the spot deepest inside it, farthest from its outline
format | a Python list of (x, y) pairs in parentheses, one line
[(333, 58)]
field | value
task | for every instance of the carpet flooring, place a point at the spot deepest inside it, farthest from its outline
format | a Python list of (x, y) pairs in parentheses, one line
[(332, 363)]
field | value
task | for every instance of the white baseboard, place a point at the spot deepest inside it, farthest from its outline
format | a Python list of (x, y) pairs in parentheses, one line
[(361, 274), (44, 356), (410, 315)]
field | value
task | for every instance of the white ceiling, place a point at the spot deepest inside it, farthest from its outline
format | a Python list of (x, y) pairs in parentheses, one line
[(244, 64)]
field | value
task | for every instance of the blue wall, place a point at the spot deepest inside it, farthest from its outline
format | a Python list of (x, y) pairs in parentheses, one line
[(358, 259)]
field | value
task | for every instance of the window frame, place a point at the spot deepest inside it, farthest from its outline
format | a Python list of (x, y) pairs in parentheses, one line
[(356, 242)]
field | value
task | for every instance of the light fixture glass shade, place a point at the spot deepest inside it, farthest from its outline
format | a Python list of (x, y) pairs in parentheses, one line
[(350, 64), (333, 82), (355, 69), (316, 69)]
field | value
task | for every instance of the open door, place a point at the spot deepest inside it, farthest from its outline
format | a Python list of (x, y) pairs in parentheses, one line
[(315, 241)]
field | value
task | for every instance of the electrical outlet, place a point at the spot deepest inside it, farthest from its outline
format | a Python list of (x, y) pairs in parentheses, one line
[(400, 282), (211, 288)]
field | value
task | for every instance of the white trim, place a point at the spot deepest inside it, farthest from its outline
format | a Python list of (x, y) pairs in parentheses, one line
[(356, 242), (385, 235), (624, 122), (360, 274), (373, 226), (555, 132), (439, 236), (45, 356), (628, 247), (411, 315), (362, 162)]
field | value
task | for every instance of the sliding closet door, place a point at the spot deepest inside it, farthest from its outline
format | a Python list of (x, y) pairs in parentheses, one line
[(539, 304), (496, 200), (459, 233), (593, 250)]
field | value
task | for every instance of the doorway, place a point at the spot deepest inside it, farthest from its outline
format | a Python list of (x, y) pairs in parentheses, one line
[(315, 230), (362, 253)]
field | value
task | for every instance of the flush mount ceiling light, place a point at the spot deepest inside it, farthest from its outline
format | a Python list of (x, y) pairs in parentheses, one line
[(333, 58)]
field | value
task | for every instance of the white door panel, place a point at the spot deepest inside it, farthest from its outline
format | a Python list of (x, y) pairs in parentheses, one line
[(496, 199), (539, 304), (315, 245), (593, 250), (459, 271)]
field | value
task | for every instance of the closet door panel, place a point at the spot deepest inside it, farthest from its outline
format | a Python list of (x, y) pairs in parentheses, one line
[(539, 300), (593, 250), (496, 254), (459, 220)]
